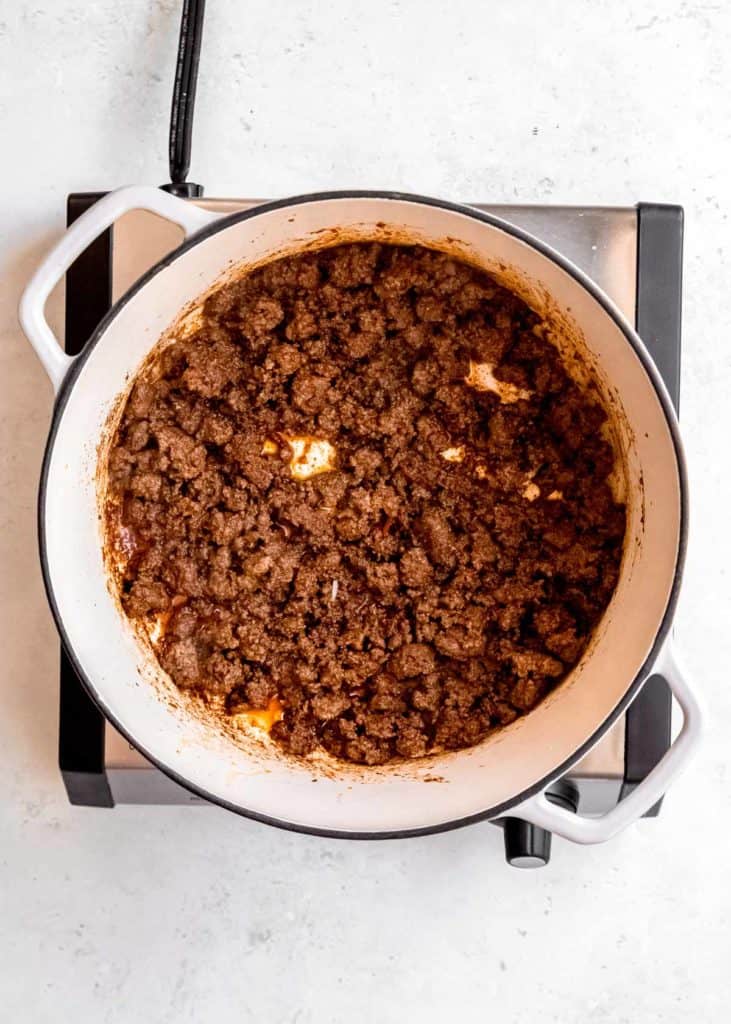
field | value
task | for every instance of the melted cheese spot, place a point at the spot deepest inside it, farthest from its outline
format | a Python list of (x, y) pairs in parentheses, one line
[(127, 541), (310, 456), (261, 718), (481, 471), (453, 454), (191, 322), (555, 496), (270, 448), (159, 624), (482, 378), (532, 491)]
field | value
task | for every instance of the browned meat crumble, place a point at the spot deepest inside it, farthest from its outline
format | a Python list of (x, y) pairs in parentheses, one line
[(365, 498)]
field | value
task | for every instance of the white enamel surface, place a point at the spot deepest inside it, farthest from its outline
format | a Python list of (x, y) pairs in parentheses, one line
[(484, 777), (76, 239), (539, 810)]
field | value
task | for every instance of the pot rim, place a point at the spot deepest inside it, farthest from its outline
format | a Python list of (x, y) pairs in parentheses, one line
[(602, 300)]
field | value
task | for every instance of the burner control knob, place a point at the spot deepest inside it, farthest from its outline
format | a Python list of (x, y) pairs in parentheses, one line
[(528, 846)]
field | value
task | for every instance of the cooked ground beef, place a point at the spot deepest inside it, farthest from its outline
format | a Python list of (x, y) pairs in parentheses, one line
[(366, 496)]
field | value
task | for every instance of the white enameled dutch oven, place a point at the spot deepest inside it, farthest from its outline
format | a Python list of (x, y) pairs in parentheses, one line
[(507, 773)]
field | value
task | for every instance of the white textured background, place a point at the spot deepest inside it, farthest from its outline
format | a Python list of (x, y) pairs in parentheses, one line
[(181, 914)]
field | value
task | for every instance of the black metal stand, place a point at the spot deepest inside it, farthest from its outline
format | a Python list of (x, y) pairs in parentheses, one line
[(81, 723), (658, 317)]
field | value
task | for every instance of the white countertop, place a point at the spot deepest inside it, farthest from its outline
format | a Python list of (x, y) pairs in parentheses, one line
[(172, 914)]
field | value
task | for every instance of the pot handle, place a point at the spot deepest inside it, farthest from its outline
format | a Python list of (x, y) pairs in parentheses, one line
[(77, 238), (538, 810)]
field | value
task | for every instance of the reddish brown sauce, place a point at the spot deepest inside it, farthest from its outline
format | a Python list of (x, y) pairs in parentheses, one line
[(364, 506)]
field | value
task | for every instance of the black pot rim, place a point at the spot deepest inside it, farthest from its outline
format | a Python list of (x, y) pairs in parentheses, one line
[(609, 308)]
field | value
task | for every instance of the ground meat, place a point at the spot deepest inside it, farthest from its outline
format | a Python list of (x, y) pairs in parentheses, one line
[(365, 496)]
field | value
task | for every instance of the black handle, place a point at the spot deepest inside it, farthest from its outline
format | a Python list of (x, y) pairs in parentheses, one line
[(183, 106), (528, 846)]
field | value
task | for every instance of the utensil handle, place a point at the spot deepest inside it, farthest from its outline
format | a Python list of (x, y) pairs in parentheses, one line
[(538, 810), (181, 112), (77, 238)]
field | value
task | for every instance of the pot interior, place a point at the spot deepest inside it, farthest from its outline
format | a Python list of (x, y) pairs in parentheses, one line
[(253, 775)]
